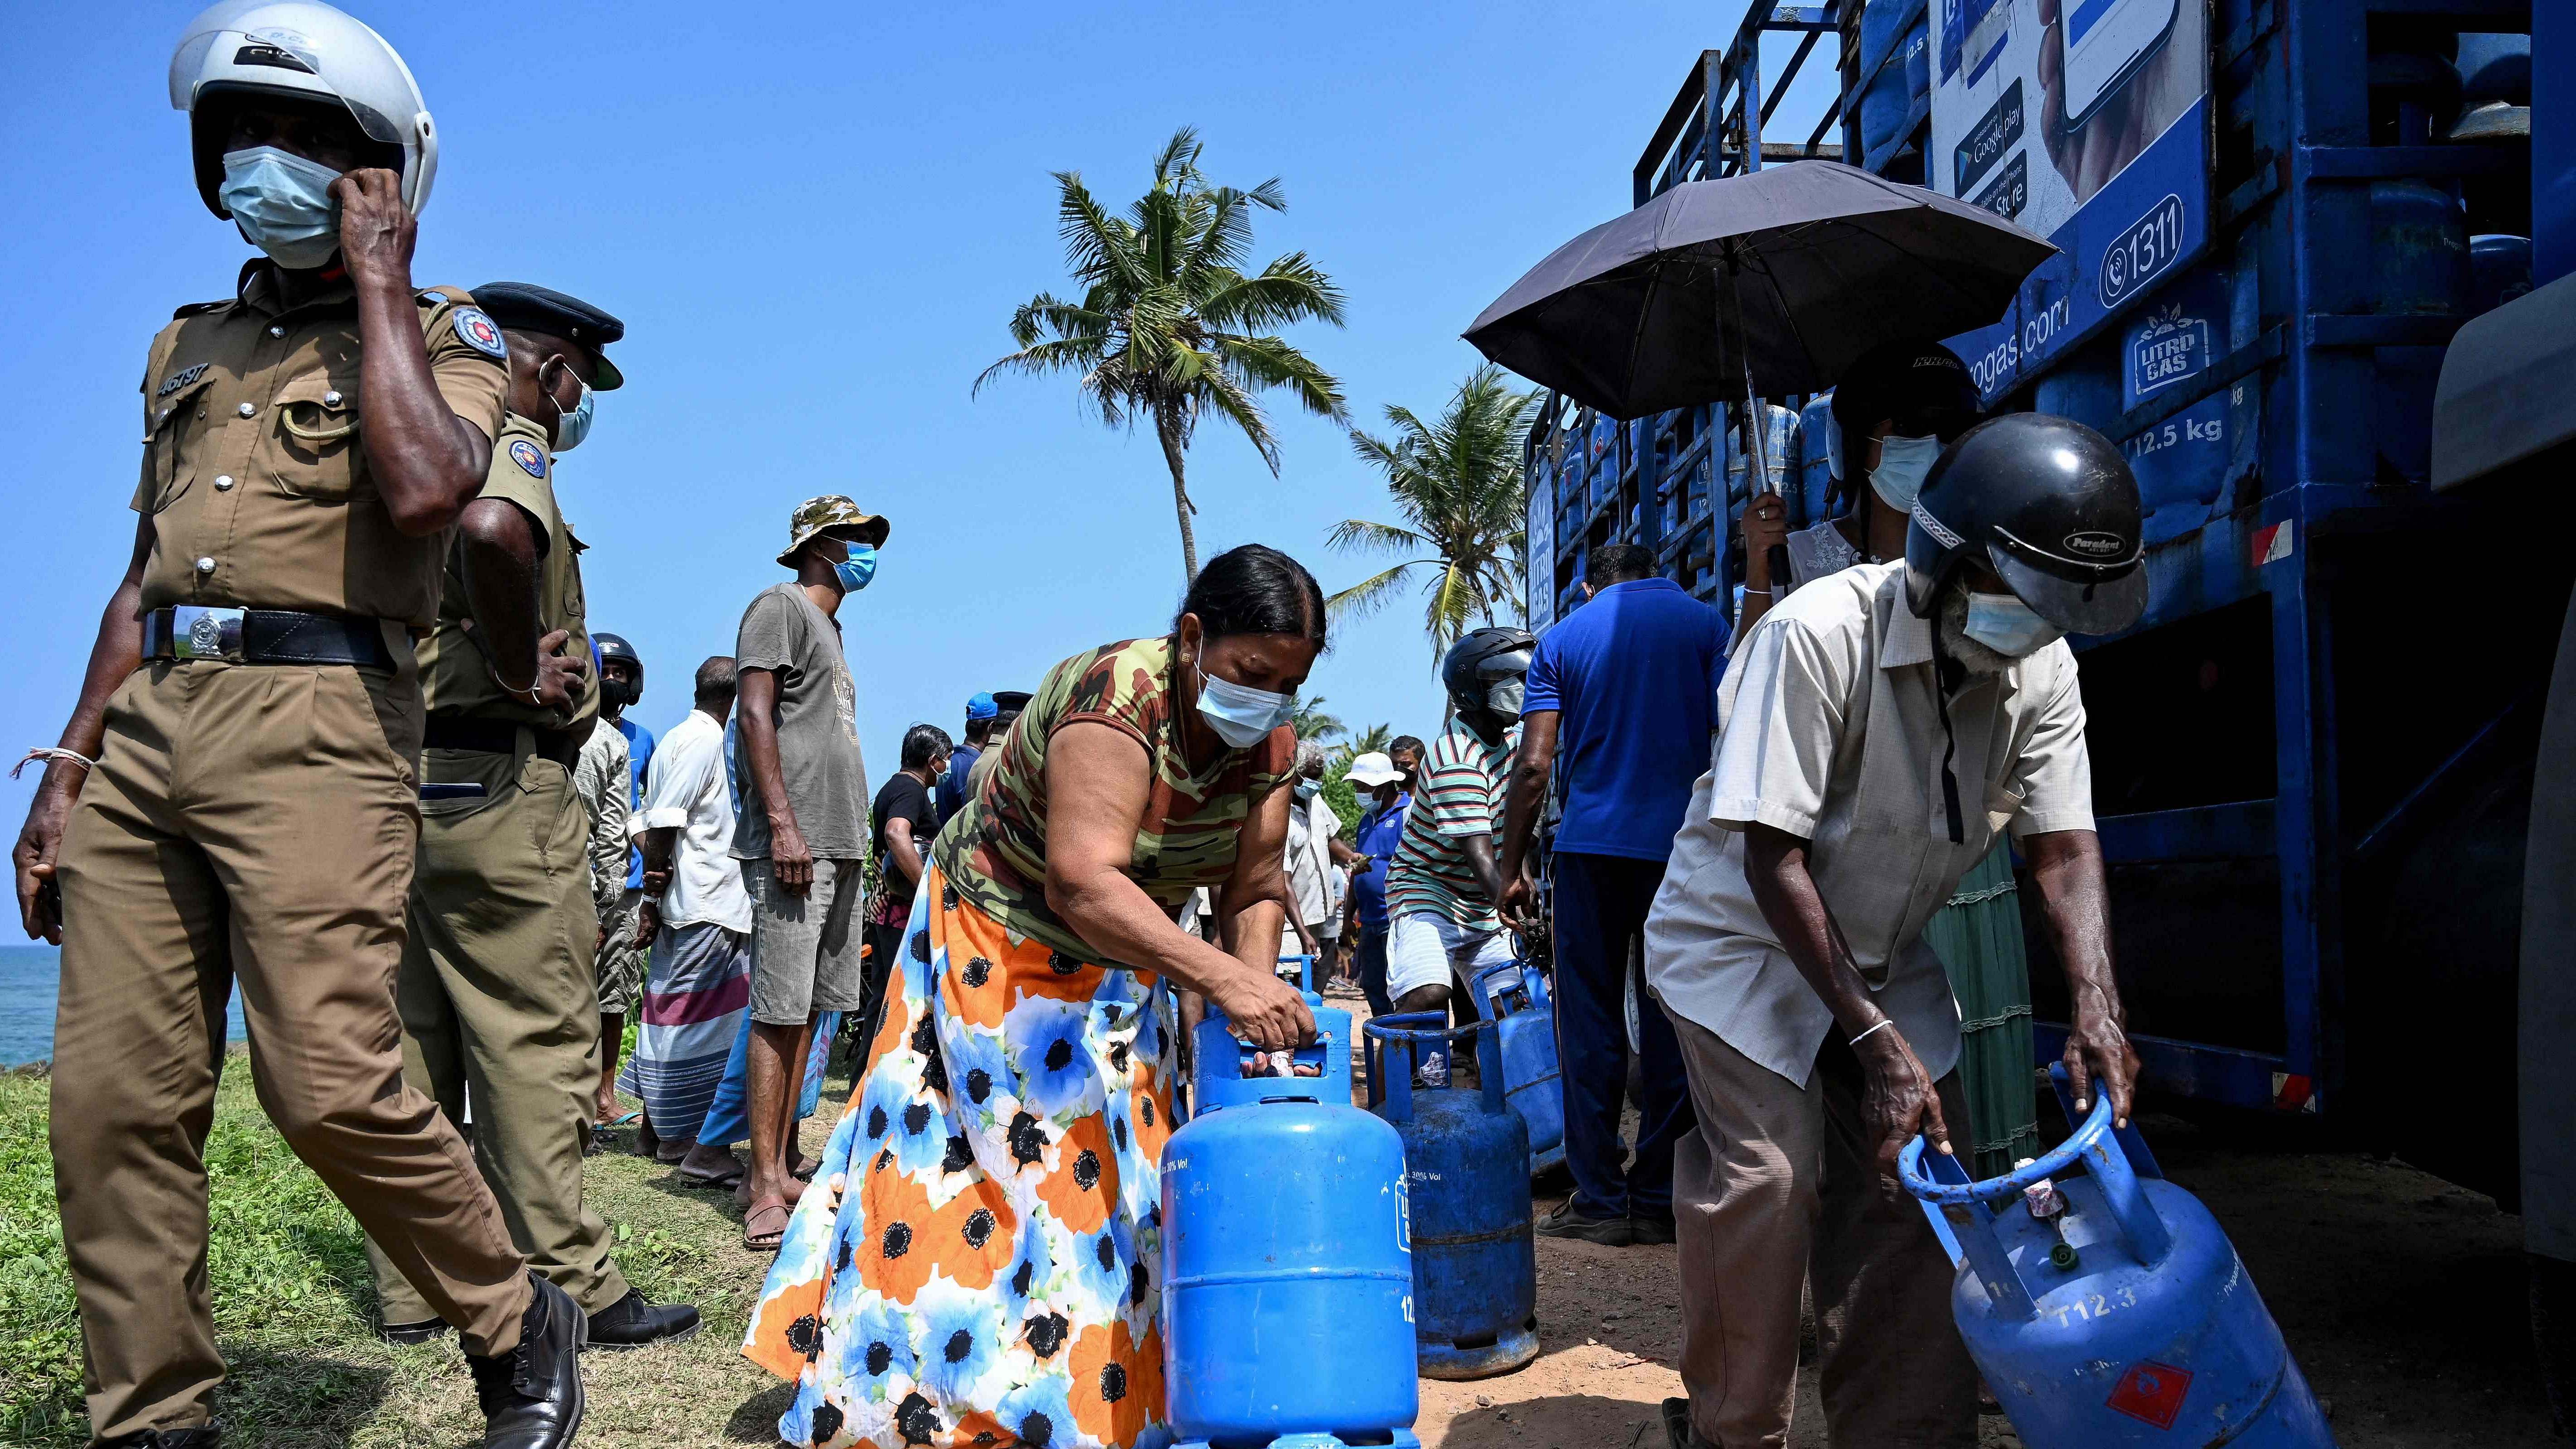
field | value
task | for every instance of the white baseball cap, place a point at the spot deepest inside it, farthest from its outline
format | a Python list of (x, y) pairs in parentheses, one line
[(1373, 769)]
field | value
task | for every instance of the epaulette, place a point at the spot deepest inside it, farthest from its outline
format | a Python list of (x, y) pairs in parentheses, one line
[(438, 296), (199, 309)]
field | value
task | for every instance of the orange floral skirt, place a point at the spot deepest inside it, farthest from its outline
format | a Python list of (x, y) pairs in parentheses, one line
[(976, 1262)]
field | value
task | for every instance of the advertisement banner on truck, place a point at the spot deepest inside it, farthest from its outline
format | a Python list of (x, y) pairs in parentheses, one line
[(1538, 579), (2087, 121)]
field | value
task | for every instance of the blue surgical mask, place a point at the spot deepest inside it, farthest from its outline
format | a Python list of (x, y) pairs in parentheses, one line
[(858, 568), (1239, 714), (2008, 626), (1307, 789), (572, 427), (283, 205), (1902, 466)]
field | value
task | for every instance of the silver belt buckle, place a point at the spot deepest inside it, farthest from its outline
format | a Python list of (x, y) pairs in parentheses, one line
[(198, 632)]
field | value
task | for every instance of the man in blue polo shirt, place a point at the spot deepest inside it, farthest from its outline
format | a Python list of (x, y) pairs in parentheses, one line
[(951, 798), (1624, 691)]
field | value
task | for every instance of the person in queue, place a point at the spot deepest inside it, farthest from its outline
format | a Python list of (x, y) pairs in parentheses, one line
[(1877, 730), (1024, 1067), (600, 779), (905, 819), (802, 834), (1622, 692), (1892, 413), (696, 921), (950, 797), (1313, 834), (621, 961), (309, 444), (499, 980), (1007, 704), (1442, 891), (1381, 826)]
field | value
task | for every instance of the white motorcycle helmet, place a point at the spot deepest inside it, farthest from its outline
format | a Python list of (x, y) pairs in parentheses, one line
[(306, 51)]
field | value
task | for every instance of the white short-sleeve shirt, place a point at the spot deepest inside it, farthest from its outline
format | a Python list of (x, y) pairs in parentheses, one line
[(1829, 728), (685, 789)]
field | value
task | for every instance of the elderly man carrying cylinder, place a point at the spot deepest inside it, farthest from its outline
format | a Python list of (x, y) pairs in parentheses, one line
[(1877, 729)]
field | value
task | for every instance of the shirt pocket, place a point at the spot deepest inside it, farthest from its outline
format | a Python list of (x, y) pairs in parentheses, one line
[(168, 437), (1877, 882), (312, 450)]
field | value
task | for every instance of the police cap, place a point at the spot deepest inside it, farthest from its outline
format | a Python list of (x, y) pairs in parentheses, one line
[(527, 307)]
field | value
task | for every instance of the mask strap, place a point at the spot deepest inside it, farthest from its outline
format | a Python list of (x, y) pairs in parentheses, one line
[(1949, 740)]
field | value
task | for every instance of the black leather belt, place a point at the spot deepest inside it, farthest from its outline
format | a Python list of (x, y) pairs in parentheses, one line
[(495, 737), (264, 636)]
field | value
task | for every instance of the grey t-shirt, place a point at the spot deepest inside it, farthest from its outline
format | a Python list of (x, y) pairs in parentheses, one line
[(818, 734)]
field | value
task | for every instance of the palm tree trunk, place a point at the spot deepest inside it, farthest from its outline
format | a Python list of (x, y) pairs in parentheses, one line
[(1168, 429)]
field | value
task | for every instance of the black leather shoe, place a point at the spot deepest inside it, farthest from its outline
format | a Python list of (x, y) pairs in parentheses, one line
[(531, 1396), (1565, 1222), (1650, 1230), (203, 1436), (634, 1321), (411, 1335)]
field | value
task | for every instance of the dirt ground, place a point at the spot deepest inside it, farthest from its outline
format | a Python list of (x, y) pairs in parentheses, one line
[(2401, 1296)]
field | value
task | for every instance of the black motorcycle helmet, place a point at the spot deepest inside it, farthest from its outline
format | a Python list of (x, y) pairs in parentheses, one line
[(1474, 665), (2050, 506), (614, 646)]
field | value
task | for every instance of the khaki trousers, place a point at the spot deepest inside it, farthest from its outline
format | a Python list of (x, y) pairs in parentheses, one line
[(250, 824), (1778, 1186), (500, 1007)]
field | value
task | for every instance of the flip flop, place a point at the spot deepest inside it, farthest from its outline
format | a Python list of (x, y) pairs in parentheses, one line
[(765, 1242), (712, 1182)]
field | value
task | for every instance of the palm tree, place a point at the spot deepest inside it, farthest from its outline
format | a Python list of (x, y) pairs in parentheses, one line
[(1458, 485), (1373, 739), (1168, 324), (1310, 721)]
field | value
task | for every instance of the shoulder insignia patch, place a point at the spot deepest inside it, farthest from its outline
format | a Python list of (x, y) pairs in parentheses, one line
[(178, 380), (529, 456), (479, 331)]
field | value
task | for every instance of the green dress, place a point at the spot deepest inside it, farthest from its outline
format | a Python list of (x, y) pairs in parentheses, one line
[(1978, 938)]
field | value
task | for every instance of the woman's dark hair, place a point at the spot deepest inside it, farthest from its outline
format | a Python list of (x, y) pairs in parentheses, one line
[(922, 744), (1256, 589)]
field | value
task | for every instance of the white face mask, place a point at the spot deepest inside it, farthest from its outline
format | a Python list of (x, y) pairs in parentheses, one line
[(1239, 714), (1505, 698), (2008, 626), (1902, 466)]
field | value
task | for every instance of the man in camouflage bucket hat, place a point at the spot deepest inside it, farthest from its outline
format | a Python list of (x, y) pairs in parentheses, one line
[(802, 834)]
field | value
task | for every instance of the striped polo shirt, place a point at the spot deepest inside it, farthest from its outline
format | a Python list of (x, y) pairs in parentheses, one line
[(1461, 794)]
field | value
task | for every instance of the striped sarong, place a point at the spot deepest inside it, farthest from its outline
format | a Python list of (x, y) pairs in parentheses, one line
[(696, 997)]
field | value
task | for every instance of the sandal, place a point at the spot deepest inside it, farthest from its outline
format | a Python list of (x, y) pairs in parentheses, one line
[(601, 1139), (757, 1242), (712, 1181)]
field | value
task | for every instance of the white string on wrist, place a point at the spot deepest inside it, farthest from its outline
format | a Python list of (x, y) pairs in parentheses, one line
[(1884, 1024), (47, 752)]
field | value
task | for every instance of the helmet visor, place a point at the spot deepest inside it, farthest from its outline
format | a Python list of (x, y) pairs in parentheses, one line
[(2105, 606), (298, 48)]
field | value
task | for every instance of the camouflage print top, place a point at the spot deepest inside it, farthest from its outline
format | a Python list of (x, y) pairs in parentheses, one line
[(994, 851)]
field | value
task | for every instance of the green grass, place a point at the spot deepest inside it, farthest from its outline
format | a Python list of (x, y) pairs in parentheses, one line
[(294, 1303)]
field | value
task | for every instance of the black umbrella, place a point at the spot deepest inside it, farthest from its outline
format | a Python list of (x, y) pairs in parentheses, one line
[(1823, 262), (1772, 281)]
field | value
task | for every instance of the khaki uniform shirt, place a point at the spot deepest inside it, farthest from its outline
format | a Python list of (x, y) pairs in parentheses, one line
[(455, 672), (259, 491), (1829, 729)]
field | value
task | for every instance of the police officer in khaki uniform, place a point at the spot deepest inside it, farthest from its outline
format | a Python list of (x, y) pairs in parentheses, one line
[(497, 983), (234, 800)]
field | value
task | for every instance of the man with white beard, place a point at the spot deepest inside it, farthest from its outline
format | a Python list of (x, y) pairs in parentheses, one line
[(1877, 730)]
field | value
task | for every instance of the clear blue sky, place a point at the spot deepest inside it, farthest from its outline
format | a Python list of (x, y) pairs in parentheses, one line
[(815, 222)]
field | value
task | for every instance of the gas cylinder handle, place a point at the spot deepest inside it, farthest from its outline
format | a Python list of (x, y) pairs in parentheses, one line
[(1305, 974), (2094, 1144), (1411, 1029)]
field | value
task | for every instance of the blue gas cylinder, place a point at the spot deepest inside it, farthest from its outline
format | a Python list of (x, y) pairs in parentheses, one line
[(2108, 1308), (1513, 996), (1466, 1153), (1886, 93), (1217, 1076), (1287, 1276), (1918, 60), (1815, 456), (2419, 249)]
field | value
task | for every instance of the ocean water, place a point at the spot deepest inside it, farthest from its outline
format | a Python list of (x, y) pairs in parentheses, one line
[(28, 979)]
